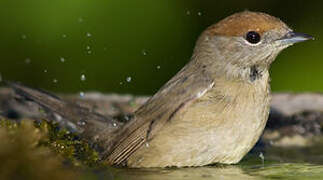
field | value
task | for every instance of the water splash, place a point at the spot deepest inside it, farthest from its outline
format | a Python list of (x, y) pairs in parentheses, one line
[(27, 60), (126, 118), (80, 20), (82, 94), (88, 34), (262, 157), (144, 52), (128, 79), (88, 49), (23, 36), (81, 123), (83, 77), (62, 59)]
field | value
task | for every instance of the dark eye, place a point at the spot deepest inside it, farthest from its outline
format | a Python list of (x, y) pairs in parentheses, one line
[(253, 37)]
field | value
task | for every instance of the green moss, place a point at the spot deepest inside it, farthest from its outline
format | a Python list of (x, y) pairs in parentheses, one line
[(22, 156), (68, 145), (41, 150)]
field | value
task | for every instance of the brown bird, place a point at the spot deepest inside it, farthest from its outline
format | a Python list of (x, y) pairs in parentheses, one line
[(212, 111)]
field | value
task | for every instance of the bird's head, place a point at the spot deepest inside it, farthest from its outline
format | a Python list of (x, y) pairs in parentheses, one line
[(246, 39)]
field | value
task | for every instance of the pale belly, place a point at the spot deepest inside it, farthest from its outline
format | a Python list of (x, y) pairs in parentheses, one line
[(220, 127)]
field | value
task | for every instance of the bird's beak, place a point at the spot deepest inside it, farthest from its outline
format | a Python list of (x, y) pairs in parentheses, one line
[(294, 37)]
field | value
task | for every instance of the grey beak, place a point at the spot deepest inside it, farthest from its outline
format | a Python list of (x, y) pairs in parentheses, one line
[(294, 37)]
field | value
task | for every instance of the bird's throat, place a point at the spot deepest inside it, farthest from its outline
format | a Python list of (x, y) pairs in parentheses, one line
[(255, 73)]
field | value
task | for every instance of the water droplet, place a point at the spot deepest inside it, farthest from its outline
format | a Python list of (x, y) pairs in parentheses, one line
[(27, 60), (126, 118), (62, 59), (23, 36), (81, 123), (128, 79), (82, 94), (83, 78), (88, 34), (199, 13), (89, 52), (55, 80), (87, 47), (45, 71), (144, 52), (188, 12), (64, 35), (58, 117), (158, 67), (114, 124), (120, 83), (80, 20), (262, 157)]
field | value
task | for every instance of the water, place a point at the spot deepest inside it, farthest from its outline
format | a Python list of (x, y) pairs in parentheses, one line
[(80, 20), (144, 52), (286, 171), (27, 60), (23, 36), (128, 79), (83, 77), (62, 59), (88, 34), (280, 163), (82, 94)]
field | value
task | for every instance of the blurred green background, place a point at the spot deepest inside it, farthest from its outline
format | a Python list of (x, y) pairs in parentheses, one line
[(135, 46)]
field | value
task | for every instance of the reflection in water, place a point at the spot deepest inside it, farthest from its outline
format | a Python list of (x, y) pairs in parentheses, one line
[(274, 171), (280, 163), (214, 173)]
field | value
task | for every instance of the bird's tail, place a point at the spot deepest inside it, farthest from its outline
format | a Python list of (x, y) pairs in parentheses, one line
[(92, 126)]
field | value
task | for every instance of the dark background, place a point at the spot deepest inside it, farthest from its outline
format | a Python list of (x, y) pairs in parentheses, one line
[(51, 44)]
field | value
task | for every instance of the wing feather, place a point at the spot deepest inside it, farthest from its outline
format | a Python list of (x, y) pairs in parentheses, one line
[(186, 86)]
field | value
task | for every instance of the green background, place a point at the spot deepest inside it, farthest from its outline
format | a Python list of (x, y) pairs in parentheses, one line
[(147, 40)]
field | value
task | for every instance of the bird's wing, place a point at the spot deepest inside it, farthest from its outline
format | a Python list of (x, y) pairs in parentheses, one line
[(186, 86)]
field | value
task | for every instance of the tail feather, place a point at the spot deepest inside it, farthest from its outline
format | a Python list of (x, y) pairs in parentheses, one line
[(92, 126)]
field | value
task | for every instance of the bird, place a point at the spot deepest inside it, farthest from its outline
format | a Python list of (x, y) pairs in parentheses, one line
[(212, 111)]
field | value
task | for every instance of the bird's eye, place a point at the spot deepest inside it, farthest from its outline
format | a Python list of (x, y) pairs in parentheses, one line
[(253, 37)]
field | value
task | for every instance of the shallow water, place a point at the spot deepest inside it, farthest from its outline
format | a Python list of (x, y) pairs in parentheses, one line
[(280, 163), (273, 171)]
